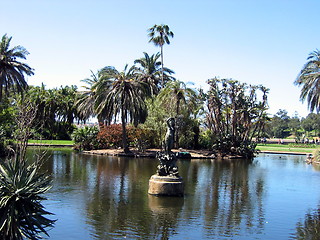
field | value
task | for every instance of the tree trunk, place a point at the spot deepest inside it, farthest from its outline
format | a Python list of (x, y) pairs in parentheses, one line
[(124, 133), (162, 78)]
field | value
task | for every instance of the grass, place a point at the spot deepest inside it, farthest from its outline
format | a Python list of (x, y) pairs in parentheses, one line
[(286, 148), (52, 142)]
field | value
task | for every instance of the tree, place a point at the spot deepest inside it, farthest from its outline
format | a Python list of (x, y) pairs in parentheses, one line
[(294, 125), (159, 35), (280, 124), (87, 99), (11, 70), (126, 99), (178, 98), (311, 122), (149, 72), (309, 78), (56, 111), (235, 115)]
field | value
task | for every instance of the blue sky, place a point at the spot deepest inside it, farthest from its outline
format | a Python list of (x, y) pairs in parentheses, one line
[(258, 42)]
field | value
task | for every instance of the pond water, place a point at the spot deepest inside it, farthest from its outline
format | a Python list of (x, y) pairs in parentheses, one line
[(102, 197)]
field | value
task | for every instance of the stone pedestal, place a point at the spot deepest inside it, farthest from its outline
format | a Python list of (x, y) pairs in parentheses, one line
[(166, 186)]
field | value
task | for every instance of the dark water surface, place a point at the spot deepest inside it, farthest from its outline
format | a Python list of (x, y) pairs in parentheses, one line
[(100, 197)]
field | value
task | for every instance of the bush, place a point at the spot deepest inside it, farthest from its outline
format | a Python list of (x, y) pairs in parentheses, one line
[(142, 138), (110, 136), (85, 138)]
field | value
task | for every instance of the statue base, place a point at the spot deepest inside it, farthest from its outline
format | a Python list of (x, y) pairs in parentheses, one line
[(166, 186)]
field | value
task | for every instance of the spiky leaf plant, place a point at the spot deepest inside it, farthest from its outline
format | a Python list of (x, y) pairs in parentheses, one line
[(21, 211)]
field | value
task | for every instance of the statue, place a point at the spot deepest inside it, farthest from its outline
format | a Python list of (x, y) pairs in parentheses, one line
[(167, 158), (169, 138), (167, 182)]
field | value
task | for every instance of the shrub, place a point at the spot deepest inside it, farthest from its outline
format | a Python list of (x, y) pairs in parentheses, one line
[(110, 136), (85, 138), (142, 138)]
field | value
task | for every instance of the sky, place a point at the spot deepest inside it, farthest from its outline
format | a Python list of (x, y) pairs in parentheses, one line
[(254, 41)]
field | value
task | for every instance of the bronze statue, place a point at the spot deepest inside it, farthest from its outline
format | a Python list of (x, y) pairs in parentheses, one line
[(167, 158), (169, 138)]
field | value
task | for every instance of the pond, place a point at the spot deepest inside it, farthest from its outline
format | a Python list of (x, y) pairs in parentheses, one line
[(103, 197)]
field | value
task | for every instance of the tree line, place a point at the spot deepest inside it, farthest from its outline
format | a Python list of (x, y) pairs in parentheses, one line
[(227, 118)]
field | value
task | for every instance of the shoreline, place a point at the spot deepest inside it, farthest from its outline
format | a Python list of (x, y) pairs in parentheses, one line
[(194, 154), (151, 153)]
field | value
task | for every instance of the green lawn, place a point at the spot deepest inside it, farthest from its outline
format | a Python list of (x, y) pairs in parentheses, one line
[(285, 148), (52, 142)]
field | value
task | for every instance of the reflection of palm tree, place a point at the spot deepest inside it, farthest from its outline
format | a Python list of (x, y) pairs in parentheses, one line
[(227, 196), (119, 198), (309, 78), (159, 35), (11, 70), (309, 227)]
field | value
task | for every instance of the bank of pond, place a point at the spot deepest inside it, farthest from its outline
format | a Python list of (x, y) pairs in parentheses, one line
[(274, 196)]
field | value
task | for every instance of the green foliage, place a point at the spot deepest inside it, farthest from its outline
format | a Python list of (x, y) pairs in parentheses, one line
[(4, 143), (206, 139), (12, 72), (182, 102), (235, 116), (56, 111), (21, 211), (149, 72), (161, 108), (309, 79), (85, 138), (311, 123), (7, 114), (280, 124), (159, 35)]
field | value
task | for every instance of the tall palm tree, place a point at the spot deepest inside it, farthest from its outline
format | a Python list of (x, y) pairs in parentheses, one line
[(159, 35), (11, 70), (126, 99), (149, 72), (309, 78)]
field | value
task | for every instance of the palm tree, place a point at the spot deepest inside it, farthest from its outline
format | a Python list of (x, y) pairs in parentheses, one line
[(309, 78), (176, 95), (11, 70), (87, 98), (159, 35), (149, 71), (126, 99)]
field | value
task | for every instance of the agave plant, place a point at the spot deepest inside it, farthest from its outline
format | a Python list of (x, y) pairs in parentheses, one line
[(21, 211)]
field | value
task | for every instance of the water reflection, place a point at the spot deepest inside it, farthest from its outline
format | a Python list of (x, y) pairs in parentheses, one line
[(108, 198), (309, 227), (228, 196)]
